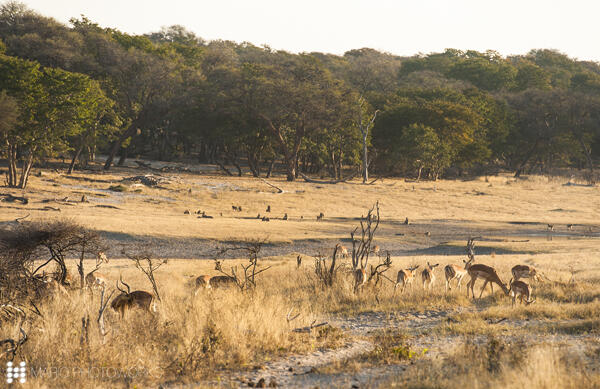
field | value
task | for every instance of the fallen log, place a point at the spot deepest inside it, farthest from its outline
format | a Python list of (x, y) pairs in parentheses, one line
[(309, 328), (11, 199), (279, 190)]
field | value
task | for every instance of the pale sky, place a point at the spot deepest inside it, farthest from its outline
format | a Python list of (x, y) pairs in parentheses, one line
[(334, 26)]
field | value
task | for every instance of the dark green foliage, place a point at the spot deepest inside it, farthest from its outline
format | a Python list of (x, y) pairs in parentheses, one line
[(82, 89)]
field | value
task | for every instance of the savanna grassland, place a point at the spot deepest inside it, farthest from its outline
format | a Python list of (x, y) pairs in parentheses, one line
[(378, 337)]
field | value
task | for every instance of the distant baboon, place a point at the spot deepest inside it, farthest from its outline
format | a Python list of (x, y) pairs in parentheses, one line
[(406, 221), (299, 260), (258, 216), (186, 212), (320, 217), (266, 219), (268, 208), (570, 227), (427, 233), (550, 227), (285, 216)]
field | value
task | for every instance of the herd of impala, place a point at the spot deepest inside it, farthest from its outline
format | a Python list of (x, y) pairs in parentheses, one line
[(516, 287), (405, 277)]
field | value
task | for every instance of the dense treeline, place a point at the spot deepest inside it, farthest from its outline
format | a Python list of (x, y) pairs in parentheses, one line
[(81, 89)]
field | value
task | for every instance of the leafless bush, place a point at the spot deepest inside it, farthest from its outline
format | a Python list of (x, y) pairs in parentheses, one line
[(246, 278), (48, 241), (326, 273), (147, 265), (361, 248)]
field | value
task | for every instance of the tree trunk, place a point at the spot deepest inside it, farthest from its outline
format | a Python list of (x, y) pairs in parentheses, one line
[(522, 165), (12, 164), (588, 156), (290, 156), (114, 149), (270, 168), (75, 157), (26, 170), (222, 166), (365, 161), (123, 157)]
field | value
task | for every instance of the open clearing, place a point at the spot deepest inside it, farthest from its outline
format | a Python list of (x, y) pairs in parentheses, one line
[(377, 337)]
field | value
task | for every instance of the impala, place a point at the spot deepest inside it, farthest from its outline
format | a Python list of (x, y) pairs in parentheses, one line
[(202, 282), (427, 275), (127, 300), (221, 281), (343, 252), (405, 277), (488, 274), (454, 272), (376, 250), (360, 278), (93, 279), (524, 271), (520, 289)]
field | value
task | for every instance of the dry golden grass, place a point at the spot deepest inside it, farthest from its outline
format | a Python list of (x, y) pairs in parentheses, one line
[(215, 334)]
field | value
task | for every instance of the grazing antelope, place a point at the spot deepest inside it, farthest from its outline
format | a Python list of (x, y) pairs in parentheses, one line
[(454, 272), (360, 278), (221, 282), (202, 282), (427, 275), (406, 277), (127, 300), (488, 274), (524, 271), (477, 270), (520, 289)]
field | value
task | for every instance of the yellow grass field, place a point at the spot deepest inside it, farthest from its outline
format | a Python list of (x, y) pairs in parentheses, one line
[(378, 337)]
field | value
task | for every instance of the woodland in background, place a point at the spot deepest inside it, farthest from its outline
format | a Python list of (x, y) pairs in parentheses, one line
[(83, 89)]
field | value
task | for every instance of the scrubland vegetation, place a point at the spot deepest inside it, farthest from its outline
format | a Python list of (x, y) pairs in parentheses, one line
[(230, 337), (150, 164)]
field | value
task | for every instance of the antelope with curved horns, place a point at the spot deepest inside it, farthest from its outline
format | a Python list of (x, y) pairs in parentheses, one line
[(127, 300), (427, 275), (405, 277)]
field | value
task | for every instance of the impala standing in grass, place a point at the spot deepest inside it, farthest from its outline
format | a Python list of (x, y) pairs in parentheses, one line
[(406, 277)]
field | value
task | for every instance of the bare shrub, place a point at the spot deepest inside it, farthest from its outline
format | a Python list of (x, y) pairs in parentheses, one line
[(246, 278), (48, 241)]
